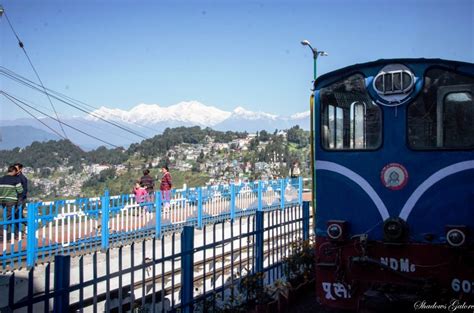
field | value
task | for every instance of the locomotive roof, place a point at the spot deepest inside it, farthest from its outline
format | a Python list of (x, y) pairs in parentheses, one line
[(356, 67)]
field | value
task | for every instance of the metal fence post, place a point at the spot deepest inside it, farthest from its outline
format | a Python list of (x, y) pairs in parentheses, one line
[(158, 210), (199, 208), (259, 242), (232, 202), (105, 221), (187, 269), (300, 190), (31, 235), (259, 193), (62, 266), (305, 220), (282, 193)]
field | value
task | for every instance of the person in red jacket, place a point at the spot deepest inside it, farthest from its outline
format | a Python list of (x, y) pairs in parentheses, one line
[(165, 186)]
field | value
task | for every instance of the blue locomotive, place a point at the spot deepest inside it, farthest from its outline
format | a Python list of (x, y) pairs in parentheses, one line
[(394, 168)]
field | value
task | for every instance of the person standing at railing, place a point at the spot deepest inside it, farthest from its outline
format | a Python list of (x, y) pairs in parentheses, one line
[(148, 181), (10, 189), (165, 186), (295, 170), (140, 192), (24, 184)]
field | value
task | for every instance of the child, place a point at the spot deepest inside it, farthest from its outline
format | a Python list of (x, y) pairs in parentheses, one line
[(140, 192)]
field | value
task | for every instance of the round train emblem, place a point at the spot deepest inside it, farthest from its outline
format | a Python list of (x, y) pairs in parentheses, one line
[(394, 176)]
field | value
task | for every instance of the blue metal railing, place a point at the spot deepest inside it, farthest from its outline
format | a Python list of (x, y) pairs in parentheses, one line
[(85, 225)]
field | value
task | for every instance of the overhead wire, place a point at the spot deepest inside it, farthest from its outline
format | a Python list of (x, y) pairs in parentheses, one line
[(84, 121), (78, 108), (11, 98), (10, 73), (56, 95), (22, 46), (36, 118)]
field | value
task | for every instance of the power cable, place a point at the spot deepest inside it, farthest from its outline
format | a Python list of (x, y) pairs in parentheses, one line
[(80, 109), (10, 73), (50, 92), (36, 118), (10, 97), (22, 46), (93, 125)]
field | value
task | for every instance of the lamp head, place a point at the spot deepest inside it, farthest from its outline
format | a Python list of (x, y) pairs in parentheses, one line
[(323, 53), (1, 10), (306, 43)]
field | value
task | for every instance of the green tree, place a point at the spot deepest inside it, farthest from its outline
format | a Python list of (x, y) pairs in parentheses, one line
[(298, 136), (264, 136), (254, 143)]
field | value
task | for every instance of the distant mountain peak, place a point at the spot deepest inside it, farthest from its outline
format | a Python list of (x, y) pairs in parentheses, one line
[(300, 115), (251, 115), (192, 112)]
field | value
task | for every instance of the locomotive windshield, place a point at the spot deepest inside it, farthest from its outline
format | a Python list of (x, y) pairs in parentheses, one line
[(349, 117), (442, 117)]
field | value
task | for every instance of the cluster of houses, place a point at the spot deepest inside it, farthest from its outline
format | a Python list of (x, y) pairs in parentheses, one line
[(63, 181), (223, 162)]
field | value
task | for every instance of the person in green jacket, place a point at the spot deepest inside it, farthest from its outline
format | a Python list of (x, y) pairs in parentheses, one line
[(10, 190)]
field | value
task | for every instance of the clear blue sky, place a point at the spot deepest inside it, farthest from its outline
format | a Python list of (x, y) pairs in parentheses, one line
[(222, 53)]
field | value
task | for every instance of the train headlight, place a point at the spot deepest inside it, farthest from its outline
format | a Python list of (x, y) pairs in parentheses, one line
[(334, 231), (456, 235), (337, 230), (395, 230)]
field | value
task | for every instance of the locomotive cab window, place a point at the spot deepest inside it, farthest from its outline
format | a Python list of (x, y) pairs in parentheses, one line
[(442, 117), (350, 120)]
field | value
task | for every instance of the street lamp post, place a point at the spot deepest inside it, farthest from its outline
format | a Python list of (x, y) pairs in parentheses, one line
[(316, 54)]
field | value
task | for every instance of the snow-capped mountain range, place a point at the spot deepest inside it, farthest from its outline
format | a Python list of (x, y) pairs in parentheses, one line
[(192, 112), (152, 119)]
